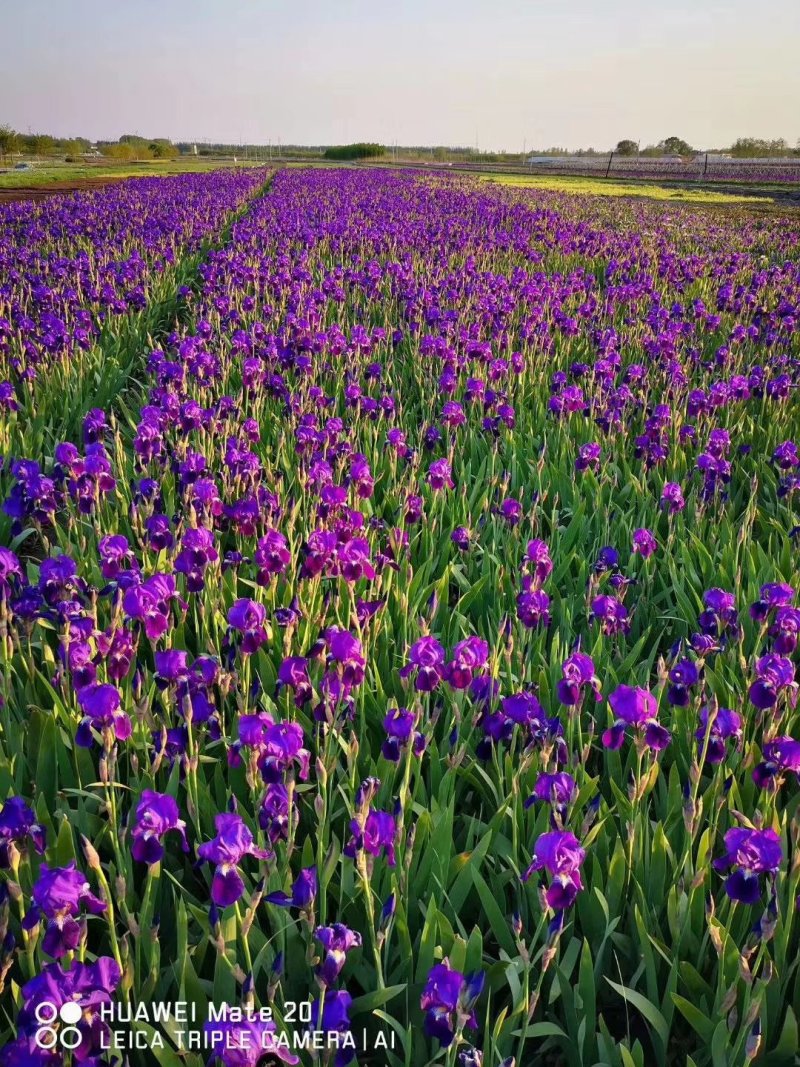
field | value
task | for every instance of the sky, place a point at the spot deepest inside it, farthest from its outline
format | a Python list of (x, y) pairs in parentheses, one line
[(502, 74)]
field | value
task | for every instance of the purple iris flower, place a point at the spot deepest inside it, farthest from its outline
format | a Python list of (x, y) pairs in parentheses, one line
[(250, 619), (453, 414), (772, 595), (558, 789), (346, 655), (611, 614), (672, 498), (335, 1020), (58, 894), (100, 705), (149, 604), (780, 755), (304, 892), (538, 562), (353, 560), (426, 662), (252, 732), (752, 854), (644, 542), (399, 725), (368, 609), (637, 708), (273, 815), (461, 538), (578, 674), (588, 457), (58, 579), (272, 556), (11, 577), (156, 815), (233, 842), (317, 552), (774, 675), (115, 555), (17, 824), (473, 1057), (282, 746), (440, 476), (337, 941), (374, 834), (533, 608), (171, 665), (511, 510), (719, 619), (197, 552), (560, 853), (683, 676), (88, 985), (724, 726), (414, 506), (786, 455), (607, 560), (246, 1042), (293, 672), (448, 1001), (469, 656), (524, 712), (159, 532), (785, 629)]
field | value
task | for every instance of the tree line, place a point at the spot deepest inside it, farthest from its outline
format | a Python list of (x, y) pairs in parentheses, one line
[(129, 147), (743, 148)]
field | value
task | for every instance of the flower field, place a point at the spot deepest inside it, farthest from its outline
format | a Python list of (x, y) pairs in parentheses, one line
[(399, 615)]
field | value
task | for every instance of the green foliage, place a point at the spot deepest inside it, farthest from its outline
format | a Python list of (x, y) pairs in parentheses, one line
[(9, 141), (753, 147), (676, 146), (360, 150)]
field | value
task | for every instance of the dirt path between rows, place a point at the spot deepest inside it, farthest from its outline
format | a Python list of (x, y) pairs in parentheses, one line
[(42, 192)]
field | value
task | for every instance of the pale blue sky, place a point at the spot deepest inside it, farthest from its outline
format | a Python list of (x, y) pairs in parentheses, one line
[(505, 72)]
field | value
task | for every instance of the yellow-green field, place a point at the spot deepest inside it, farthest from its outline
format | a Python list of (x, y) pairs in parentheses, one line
[(602, 187), (68, 172)]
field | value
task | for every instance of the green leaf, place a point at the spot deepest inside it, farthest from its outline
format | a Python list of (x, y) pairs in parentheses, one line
[(701, 1024), (645, 1008), (376, 999), (497, 921)]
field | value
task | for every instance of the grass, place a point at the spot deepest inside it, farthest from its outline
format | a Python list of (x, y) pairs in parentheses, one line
[(603, 187), (68, 173)]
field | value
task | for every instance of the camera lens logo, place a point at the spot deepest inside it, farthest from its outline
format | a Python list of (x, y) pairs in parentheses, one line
[(67, 1036)]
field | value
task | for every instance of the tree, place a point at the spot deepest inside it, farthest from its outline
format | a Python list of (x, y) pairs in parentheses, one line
[(677, 146), (41, 144), (751, 147), (72, 146), (122, 152), (9, 141), (626, 148), (361, 150), (162, 149)]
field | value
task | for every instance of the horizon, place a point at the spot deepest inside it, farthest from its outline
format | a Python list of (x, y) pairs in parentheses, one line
[(471, 75)]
